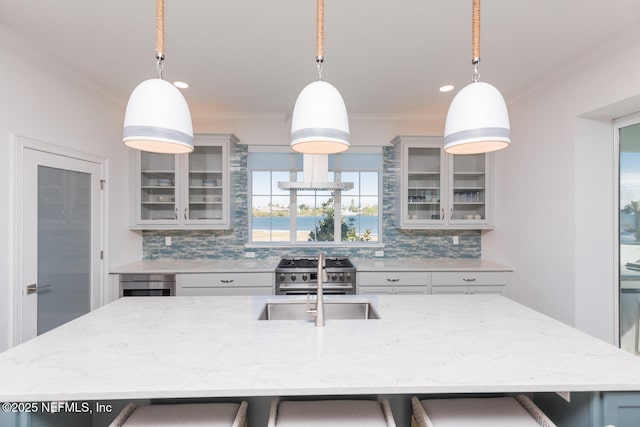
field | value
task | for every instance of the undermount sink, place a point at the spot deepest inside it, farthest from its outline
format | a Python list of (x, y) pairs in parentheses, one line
[(297, 310)]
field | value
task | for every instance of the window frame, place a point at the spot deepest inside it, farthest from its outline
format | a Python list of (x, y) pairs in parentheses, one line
[(293, 199)]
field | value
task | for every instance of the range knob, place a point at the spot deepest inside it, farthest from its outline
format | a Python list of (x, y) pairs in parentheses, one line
[(334, 277), (282, 277), (293, 277), (304, 277), (349, 277), (342, 278)]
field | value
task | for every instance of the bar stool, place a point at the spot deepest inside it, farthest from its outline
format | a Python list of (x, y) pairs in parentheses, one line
[(478, 412), (334, 413), (185, 414)]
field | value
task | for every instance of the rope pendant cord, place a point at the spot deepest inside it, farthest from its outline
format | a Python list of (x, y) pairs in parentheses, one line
[(160, 29), (320, 31), (160, 36), (475, 39)]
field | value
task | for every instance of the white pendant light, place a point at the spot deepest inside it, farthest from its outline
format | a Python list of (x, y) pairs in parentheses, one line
[(477, 121), (319, 124), (157, 118)]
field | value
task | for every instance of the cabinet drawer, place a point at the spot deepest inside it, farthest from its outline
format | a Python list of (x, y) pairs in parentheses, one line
[(393, 278), (226, 291), (469, 290), (469, 278), (225, 280)]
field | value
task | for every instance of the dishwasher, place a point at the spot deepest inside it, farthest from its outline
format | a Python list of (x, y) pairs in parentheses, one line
[(147, 285)]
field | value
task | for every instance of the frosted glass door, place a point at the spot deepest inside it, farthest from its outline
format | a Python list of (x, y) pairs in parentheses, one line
[(64, 246)]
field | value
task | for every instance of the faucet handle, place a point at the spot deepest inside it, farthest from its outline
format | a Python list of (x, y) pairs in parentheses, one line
[(310, 311)]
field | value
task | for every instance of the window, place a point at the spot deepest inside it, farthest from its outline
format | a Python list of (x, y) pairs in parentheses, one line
[(315, 217)]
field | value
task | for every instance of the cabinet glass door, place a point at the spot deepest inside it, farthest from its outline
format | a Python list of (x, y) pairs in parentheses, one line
[(206, 184), (423, 184), (468, 188), (157, 187)]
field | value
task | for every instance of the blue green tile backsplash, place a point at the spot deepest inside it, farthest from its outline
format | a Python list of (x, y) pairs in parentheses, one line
[(230, 244)]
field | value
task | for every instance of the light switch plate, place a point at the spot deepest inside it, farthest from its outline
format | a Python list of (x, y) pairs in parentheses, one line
[(456, 240), (250, 254), (167, 241), (379, 254)]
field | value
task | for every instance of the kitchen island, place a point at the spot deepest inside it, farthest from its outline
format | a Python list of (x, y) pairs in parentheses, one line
[(197, 347)]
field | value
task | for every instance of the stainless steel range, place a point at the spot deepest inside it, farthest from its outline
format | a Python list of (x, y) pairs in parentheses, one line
[(299, 276)]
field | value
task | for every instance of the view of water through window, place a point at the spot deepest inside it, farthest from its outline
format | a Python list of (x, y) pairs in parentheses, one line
[(310, 216)]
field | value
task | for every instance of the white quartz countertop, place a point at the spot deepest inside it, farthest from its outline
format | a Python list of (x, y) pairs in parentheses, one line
[(269, 265), (199, 266), (153, 347), (434, 264)]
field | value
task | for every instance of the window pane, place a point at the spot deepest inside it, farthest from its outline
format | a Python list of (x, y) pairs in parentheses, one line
[(369, 183), (260, 182), (279, 176), (351, 177)]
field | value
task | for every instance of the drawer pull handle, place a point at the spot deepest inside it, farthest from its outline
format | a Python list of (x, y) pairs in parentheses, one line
[(393, 280), (226, 280), (469, 279)]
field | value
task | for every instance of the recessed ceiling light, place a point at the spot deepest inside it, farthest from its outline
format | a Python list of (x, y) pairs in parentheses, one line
[(446, 88), (181, 85)]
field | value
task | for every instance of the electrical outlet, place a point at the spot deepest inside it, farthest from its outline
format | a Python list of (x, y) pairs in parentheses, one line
[(456, 240), (379, 254), (250, 254), (167, 241)]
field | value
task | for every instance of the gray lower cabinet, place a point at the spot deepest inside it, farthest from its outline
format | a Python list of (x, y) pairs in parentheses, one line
[(220, 284), (393, 283), (469, 283), (592, 409)]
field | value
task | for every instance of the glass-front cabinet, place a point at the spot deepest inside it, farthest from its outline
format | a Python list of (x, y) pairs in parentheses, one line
[(423, 185), (184, 190), (439, 190), (469, 176)]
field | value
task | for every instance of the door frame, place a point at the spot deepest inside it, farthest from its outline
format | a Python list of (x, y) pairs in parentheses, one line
[(21, 144), (618, 123)]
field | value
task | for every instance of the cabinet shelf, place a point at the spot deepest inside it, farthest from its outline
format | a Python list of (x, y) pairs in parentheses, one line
[(436, 190), (198, 191)]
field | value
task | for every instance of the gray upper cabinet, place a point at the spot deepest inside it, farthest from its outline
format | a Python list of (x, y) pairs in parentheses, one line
[(184, 191), (435, 190)]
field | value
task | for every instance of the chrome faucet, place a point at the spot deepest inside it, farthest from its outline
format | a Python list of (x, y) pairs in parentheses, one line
[(318, 313)]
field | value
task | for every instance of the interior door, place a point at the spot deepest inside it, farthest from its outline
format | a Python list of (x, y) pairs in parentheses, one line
[(61, 243)]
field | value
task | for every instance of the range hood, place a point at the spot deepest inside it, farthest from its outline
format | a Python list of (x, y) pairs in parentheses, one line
[(315, 171)]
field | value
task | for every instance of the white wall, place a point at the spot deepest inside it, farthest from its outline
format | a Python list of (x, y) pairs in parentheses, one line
[(46, 105), (555, 194)]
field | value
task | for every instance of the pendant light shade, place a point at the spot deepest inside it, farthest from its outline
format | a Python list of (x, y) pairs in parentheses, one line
[(477, 121), (157, 119), (319, 124)]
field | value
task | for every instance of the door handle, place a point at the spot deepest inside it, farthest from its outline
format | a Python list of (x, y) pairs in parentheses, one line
[(34, 288)]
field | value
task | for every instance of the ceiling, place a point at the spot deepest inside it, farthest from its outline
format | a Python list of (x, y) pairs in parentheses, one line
[(387, 57)]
